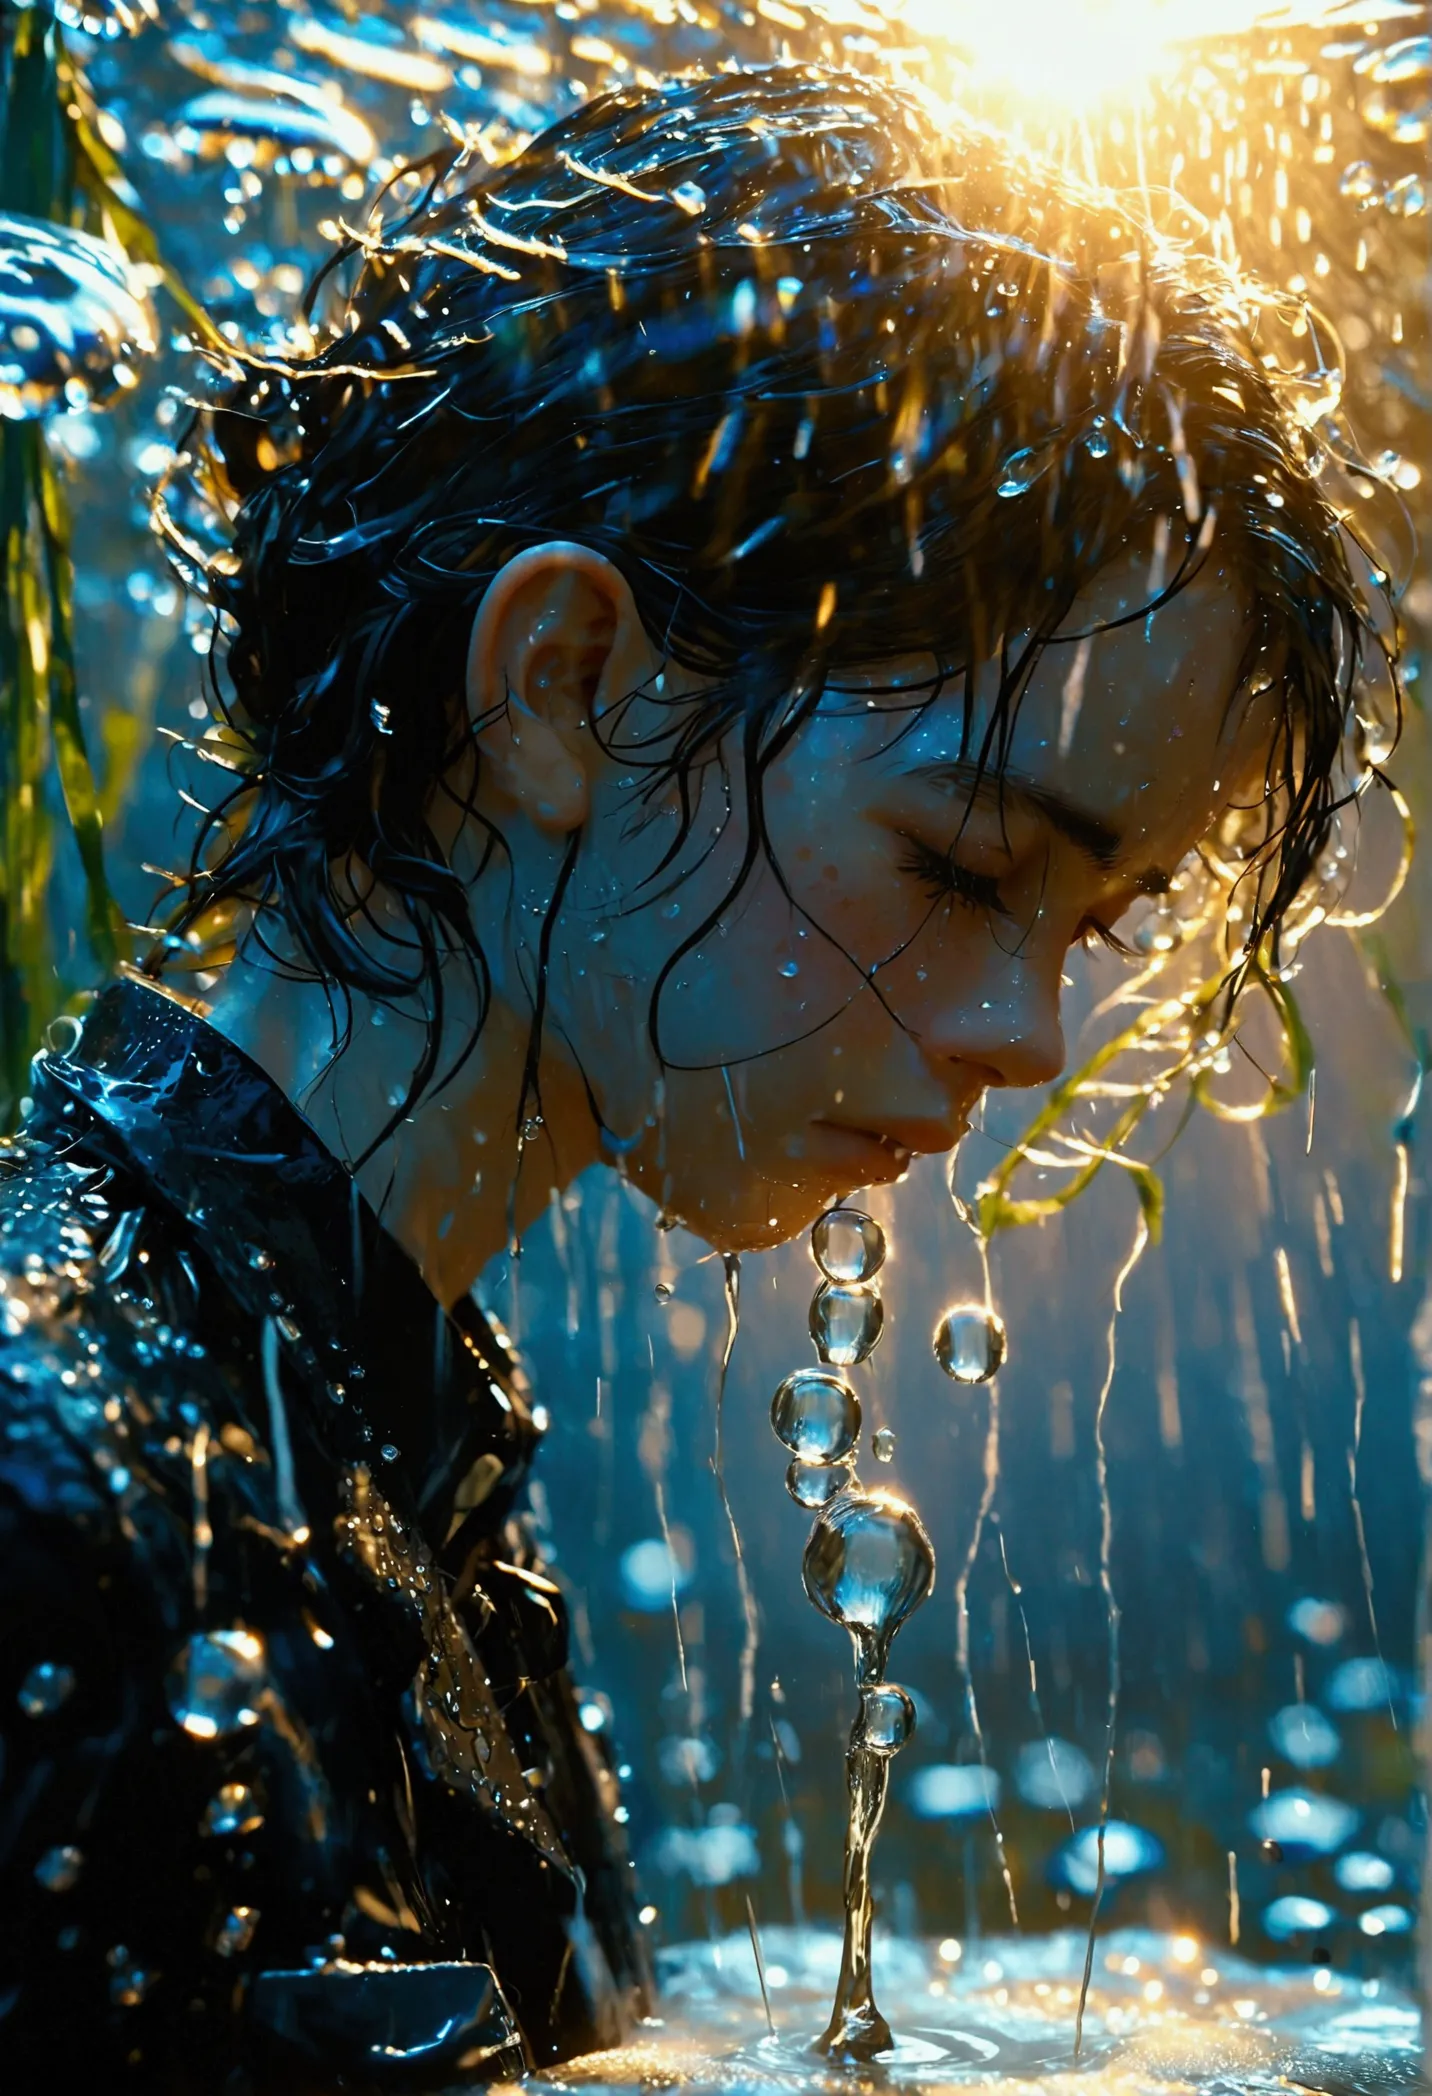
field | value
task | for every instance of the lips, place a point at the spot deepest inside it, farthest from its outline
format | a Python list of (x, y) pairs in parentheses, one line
[(895, 1142)]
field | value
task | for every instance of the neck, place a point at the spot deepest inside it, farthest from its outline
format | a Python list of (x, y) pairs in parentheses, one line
[(453, 1182)]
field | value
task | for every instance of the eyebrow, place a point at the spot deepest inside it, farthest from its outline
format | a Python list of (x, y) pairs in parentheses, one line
[(1097, 839)]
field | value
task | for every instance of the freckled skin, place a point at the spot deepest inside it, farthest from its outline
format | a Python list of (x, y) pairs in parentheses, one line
[(840, 1017)]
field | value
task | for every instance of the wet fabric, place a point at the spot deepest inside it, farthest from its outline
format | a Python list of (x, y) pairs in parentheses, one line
[(295, 1790)]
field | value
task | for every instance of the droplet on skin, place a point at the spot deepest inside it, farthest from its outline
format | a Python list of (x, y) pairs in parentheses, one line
[(816, 1415), (848, 1245), (970, 1343), (846, 1320), (882, 1444)]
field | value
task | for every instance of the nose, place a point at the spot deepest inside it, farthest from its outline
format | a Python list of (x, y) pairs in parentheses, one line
[(1008, 1024)]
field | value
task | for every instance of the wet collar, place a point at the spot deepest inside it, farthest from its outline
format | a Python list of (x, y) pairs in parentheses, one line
[(297, 1243)]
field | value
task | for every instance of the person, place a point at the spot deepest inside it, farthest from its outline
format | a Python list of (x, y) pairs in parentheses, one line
[(736, 593)]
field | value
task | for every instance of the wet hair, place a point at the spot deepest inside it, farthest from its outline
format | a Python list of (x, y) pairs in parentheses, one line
[(829, 381)]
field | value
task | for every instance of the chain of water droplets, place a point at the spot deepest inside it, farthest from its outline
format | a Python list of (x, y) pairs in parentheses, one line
[(868, 1562)]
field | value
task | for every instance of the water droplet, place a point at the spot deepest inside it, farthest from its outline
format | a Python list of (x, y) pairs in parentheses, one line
[(886, 1720), (290, 1328), (1097, 442), (789, 968), (59, 1869), (882, 1444), (260, 1260), (846, 1320), (970, 1343), (1359, 181), (814, 1485), (232, 1810), (1406, 198), (128, 1982), (236, 1931), (817, 1415), (389, 1452), (848, 1245), (381, 716), (868, 1564), (45, 1688), (689, 197), (215, 1682), (662, 1291), (1020, 472), (1270, 1851)]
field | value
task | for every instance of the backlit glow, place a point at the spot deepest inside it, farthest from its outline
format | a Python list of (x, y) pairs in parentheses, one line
[(1078, 53)]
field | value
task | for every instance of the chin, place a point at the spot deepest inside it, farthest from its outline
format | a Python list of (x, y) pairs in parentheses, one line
[(757, 1223)]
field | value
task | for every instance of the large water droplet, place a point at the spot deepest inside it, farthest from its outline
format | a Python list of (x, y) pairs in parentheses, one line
[(848, 1245), (882, 1444), (846, 1320), (1020, 472), (814, 1485), (970, 1343), (867, 1565), (817, 1415), (45, 1688), (215, 1683), (886, 1720)]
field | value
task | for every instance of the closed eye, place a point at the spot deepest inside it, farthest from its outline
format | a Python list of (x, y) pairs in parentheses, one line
[(942, 877), (1092, 933)]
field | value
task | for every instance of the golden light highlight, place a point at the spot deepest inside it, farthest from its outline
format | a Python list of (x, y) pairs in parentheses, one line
[(1076, 54)]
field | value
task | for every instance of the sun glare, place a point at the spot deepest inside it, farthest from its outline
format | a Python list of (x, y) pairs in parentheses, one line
[(1077, 53)]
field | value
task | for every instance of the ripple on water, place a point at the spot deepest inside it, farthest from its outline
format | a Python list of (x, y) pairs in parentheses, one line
[(1156, 2018)]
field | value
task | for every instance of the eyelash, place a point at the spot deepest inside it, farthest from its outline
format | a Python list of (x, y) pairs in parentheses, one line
[(942, 877)]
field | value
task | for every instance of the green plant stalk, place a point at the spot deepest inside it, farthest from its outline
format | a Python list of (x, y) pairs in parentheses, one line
[(41, 728)]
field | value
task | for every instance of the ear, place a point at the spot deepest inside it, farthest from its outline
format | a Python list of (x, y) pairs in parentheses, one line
[(557, 639)]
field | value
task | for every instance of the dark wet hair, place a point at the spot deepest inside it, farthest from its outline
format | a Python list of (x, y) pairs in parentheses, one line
[(829, 381)]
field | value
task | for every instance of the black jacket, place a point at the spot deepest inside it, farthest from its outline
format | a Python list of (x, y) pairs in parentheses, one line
[(296, 1790)]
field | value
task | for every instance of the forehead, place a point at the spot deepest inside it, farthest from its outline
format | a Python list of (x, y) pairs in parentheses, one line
[(1134, 715)]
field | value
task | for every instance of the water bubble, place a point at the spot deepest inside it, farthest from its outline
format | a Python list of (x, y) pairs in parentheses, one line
[(814, 1485), (1302, 1735), (1296, 1915), (45, 1688), (1362, 1871), (59, 1869), (816, 1415), (71, 311), (848, 1245), (1305, 1824), (970, 1343), (953, 1790), (886, 1720), (215, 1682), (1097, 441), (846, 1320), (882, 1444), (232, 1810), (868, 1565)]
